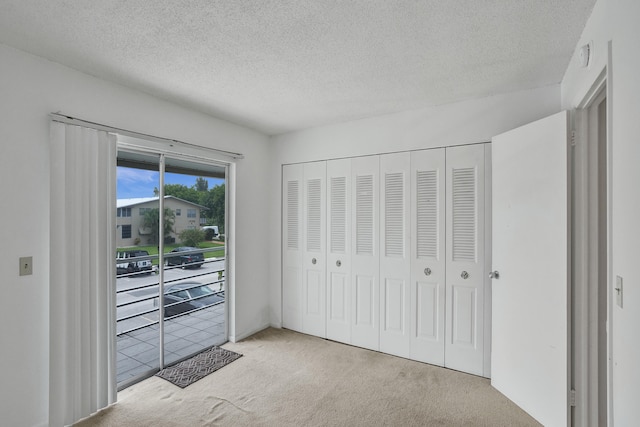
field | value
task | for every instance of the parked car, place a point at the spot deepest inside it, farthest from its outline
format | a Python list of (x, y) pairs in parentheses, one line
[(124, 266), (187, 296), (185, 260)]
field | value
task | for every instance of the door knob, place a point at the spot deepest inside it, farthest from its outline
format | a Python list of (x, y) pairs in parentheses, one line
[(338, 263), (313, 261), (427, 271), (494, 275), (464, 275)]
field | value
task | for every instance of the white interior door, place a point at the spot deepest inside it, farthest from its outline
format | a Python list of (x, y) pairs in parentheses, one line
[(365, 256), (428, 255), (466, 277), (314, 250), (529, 361), (292, 247), (395, 254), (339, 250)]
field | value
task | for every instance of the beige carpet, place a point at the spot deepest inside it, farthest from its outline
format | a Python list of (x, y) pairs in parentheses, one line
[(290, 379)]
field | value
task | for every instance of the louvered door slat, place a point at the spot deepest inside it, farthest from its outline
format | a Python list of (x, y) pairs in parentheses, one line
[(364, 215), (338, 214), (394, 214), (464, 214), (314, 213), (293, 207), (427, 214)]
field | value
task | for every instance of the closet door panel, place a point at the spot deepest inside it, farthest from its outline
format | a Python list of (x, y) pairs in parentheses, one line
[(428, 258), (365, 240), (292, 247), (339, 311), (466, 275), (314, 249), (395, 254)]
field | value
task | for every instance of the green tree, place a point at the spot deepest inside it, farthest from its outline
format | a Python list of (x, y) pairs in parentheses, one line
[(151, 221), (214, 201), (202, 184), (191, 237), (190, 194)]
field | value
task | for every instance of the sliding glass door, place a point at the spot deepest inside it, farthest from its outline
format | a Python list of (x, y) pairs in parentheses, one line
[(170, 261)]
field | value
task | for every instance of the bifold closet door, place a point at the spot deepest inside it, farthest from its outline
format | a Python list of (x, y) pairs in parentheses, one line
[(465, 247), (428, 256), (314, 249), (339, 250), (292, 247), (395, 218), (365, 257)]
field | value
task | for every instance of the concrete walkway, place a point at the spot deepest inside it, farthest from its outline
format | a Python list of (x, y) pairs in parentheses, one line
[(138, 351)]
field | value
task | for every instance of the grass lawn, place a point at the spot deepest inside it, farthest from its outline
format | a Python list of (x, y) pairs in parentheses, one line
[(217, 249)]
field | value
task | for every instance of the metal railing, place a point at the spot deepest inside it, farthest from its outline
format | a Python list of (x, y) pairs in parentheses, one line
[(142, 301)]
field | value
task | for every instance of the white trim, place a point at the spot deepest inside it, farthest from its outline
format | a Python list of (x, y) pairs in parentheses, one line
[(585, 372), (610, 233)]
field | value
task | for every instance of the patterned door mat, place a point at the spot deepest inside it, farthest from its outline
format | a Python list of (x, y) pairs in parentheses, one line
[(199, 366)]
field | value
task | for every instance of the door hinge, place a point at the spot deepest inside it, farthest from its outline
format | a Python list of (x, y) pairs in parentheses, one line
[(572, 397), (573, 138)]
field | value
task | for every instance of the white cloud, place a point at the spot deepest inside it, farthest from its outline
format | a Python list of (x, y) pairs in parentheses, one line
[(136, 176)]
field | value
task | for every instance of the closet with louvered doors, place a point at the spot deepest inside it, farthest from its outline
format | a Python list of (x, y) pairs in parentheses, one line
[(401, 267)]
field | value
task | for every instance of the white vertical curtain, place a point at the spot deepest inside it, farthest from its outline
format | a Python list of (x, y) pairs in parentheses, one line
[(82, 274)]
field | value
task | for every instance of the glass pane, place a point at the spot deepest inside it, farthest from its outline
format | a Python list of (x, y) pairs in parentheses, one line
[(195, 316), (137, 339)]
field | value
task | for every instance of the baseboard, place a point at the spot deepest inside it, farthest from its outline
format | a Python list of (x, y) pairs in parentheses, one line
[(240, 337)]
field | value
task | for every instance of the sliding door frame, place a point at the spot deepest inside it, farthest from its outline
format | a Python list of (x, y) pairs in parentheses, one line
[(229, 210)]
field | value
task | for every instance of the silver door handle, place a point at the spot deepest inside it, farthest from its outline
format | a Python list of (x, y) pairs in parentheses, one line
[(427, 271), (494, 275), (464, 275), (338, 263), (313, 261)]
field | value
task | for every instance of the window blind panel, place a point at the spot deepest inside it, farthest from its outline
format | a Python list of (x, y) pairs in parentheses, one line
[(292, 215), (427, 214), (338, 214), (464, 214), (394, 214), (364, 215), (313, 214)]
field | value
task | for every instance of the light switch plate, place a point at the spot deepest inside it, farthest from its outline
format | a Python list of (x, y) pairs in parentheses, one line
[(26, 266), (618, 291)]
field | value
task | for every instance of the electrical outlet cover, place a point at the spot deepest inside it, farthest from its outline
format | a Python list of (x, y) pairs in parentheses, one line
[(26, 266)]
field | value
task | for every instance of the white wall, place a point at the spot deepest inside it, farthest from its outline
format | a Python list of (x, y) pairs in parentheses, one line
[(452, 124), (30, 88), (617, 21)]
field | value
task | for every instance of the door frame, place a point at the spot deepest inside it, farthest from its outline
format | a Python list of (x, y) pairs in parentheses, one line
[(587, 248)]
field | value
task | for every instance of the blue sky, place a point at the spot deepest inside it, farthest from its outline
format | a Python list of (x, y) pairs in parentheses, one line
[(140, 183)]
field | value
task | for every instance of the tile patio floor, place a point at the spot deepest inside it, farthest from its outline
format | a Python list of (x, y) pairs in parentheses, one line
[(137, 351)]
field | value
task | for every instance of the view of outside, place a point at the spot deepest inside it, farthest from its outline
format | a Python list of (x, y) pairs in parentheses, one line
[(194, 291)]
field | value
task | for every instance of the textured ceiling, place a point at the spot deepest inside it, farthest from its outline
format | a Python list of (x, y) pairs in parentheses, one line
[(282, 65)]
